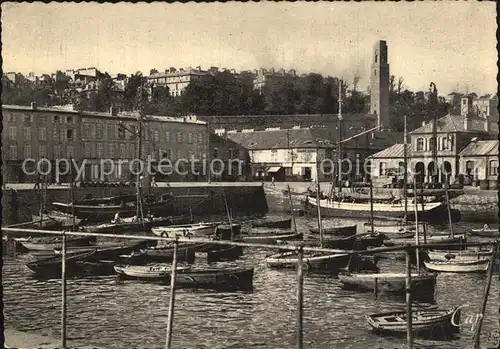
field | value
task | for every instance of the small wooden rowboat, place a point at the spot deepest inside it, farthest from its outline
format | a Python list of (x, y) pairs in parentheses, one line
[(448, 255), (229, 253), (216, 278), (271, 239), (395, 228), (267, 223), (185, 252), (487, 233), (52, 243), (146, 272), (395, 283), (460, 266), (346, 230), (61, 218), (184, 230), (434, 322), (311, 261)]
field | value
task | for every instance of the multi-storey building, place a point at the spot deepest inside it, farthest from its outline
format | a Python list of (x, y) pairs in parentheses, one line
[(453, 134), (178, 80), (264, 76), (89, 137)]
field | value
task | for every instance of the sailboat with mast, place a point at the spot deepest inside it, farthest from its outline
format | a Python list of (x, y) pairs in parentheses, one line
[(341, 205)]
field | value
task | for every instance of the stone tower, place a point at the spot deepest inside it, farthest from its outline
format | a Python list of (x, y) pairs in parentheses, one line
[(379, 84)]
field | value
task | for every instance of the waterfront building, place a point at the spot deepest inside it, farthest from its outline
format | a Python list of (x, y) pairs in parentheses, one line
[(54, 133), (308, 153), (479, 162), (454, 133)]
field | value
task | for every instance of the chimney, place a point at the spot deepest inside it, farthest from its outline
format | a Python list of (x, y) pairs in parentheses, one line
[(487, 123), (33, 105)]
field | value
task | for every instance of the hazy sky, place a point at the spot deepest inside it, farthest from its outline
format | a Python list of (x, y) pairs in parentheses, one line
[(449, 43)]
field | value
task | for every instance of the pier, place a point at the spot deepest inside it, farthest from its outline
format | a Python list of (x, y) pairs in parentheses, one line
[(14, 336)]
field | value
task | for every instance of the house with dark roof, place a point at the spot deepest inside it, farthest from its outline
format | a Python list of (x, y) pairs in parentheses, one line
[(309, 153), (479, 161), (453, 134)]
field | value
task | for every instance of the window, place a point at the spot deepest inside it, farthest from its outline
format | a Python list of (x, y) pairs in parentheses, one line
[(420, 144), (57, 151), (156, 136), (122, 150), (376, 57), (27, 133), (111, 150), (43, 134), (99, 131), (215, 153), (99, 150), (92, 130), (86, 130), (382, 169), (231, 153), (444, 143), (179, 137), (69, 135), (167, 154), (43, 151), (111, 131), (13, 133), (121, 132), (13, 152), (87, 150), (200, 138), (179, 154), (432, 143), (10, 117), (493, 168), (69, 119), (190, 137), (56, 119), (375, 72), (69, 150), (27, 118), (27, 151), (167, 136), (105, 132)]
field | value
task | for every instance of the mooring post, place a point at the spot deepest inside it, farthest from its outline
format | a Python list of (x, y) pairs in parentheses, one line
[(292, 209), (491, 268), (63, 287), (409, 333), (300, 297), (172, 297)]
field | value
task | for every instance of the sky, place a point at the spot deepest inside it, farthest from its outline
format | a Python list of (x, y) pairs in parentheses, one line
[(452, 44)]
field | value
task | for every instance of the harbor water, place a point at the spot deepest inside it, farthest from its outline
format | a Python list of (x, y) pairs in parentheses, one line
[(130, 314)]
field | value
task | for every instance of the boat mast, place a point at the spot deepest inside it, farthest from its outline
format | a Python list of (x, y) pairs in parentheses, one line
[(318, 206), (139, 208), (405, 179), (448, 207), (340, 155), (71, 193), (417, 236), (371, 206)]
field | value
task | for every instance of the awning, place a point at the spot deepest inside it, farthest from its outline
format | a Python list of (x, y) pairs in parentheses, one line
[(273, 169)]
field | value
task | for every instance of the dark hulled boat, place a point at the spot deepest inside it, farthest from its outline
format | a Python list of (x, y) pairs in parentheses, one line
[(270, 223), (346, 230), (51, 243), (51, 266)]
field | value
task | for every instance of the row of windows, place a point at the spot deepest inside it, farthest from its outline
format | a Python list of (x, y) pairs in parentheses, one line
[(492, 169), (42, 152), (444, 143), (62, 134), (43, 118)]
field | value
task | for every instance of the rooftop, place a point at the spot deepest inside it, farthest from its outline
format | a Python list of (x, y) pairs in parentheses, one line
[(455, 123), (481, 148), (120, 115), (395, 151)]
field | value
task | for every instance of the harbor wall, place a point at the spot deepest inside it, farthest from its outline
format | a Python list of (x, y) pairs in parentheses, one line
[(474, 205), (19, 204)]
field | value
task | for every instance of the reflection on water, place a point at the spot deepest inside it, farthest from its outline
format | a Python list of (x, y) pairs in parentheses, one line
[(105, 313)]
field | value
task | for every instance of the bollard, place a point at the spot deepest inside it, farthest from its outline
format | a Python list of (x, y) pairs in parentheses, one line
[(409, 333), (63, 288), (300, 297), (172, 298)]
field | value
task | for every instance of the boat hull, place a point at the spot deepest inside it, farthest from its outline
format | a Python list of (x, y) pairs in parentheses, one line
[(423, 286), (347, 230), (433, 323), (271, 239), (225, 254), (75, 241), (435, 212), (461, 266), (184, 231), (457, 255), (486, 233), (284, 224), (235, 278)]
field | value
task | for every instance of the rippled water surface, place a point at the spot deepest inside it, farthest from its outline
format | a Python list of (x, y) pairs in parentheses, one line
[(130, 314)]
